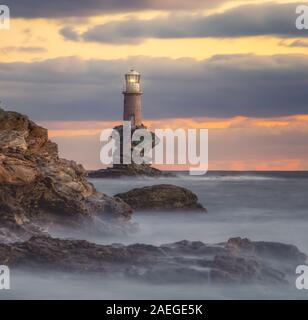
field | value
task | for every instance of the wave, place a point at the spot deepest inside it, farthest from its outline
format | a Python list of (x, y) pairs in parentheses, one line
[(229, 177)]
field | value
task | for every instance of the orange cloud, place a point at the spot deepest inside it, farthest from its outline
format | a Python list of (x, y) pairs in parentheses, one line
[(76, 128), (88, 128), (280, 165), (263, 165)]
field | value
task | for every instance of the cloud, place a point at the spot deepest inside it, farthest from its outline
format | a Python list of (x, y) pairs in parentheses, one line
[(23, 49), (294, 44), (246, 20), (82, 8), (70, 34), (223, 86)]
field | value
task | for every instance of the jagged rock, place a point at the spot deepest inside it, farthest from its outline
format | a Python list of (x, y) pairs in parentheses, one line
[(37, 188), (177, 262), (161, 197)]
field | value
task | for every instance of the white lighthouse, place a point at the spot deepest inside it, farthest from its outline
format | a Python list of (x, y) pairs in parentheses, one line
[(132, 98)]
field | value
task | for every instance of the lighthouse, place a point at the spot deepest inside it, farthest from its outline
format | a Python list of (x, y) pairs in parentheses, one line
[(132, 98)]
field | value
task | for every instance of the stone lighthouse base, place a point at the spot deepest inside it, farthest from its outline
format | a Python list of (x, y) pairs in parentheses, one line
[(129, 170)]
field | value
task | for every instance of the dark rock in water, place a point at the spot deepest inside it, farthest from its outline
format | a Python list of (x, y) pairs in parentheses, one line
[(37, 188), (179, 262), (161, 197), (131, 170), (266, 250)]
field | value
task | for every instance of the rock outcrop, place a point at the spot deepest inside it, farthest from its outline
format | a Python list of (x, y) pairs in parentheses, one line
[(236, 261), (131, 170), (37, 188), (162, 197), (120, 168)]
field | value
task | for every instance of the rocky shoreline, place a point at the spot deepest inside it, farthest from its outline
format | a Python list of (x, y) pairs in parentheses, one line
[(38, 190), (237, 261)]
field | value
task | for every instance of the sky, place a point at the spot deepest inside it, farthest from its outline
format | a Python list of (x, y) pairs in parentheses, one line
[(238, 68)]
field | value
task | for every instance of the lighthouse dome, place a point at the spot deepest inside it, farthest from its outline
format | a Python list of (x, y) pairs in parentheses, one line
[(133, 73)]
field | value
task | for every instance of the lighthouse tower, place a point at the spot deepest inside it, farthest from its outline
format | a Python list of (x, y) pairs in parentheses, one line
[(132, 98)]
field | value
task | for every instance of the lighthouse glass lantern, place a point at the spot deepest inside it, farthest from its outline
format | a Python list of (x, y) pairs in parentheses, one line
[(132, 82)]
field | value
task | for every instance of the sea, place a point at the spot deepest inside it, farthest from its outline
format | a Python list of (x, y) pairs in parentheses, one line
[(261, 206)]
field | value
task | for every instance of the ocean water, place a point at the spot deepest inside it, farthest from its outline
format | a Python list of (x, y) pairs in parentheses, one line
[(259, 206)]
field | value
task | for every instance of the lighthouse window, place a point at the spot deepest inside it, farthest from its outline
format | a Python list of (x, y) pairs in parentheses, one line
[(132, 78)]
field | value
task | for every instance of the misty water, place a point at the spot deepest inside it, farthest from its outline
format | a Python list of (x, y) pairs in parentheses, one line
[(259, 206)]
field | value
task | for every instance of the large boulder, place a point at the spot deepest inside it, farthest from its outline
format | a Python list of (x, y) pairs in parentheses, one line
[(162, 197), (37, 188)]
